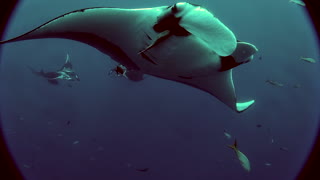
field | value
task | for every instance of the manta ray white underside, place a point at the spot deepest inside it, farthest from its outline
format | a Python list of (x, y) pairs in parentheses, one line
[(182, 42)]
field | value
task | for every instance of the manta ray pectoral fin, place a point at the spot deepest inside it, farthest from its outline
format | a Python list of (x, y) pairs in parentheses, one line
[(67, 65), (67, 59), (221, 86), (244, 105), (242, 54), (116, 32)]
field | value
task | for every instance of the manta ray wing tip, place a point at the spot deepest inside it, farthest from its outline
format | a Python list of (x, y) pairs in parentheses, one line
[(240, 107)]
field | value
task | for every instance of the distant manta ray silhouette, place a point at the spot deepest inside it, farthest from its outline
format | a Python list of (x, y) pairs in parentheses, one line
[(183, 43)]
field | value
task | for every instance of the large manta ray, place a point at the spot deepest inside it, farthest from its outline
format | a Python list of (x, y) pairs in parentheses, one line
[(183, 43)]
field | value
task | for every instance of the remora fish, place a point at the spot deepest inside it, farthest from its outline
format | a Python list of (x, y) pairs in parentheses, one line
[(274, 83), (309, 60), (242, 158)]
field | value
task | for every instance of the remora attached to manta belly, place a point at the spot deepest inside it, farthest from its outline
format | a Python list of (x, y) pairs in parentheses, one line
[(183, 43)]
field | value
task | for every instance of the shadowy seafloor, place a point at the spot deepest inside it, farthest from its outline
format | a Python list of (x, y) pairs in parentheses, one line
[(106, 127)]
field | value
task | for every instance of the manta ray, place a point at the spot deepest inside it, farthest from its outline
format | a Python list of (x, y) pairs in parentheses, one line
[(182, 42), (64, 73)]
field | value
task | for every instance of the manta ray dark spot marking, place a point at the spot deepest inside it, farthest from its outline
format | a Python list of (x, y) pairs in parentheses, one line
[(180, 31), (227, 63), (171, 23)]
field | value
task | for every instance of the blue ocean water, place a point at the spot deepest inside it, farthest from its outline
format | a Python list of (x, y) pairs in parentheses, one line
[(106, 127)]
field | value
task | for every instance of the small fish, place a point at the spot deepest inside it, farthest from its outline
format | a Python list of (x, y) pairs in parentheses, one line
[(143, 169), (267, 164), (242, 158), (309, 60), (68, 123), (299, 2), (259, 125), (284, 149), (297, 86), (75, 142), (270, 136), (274, 83), (227, 134), (272, 140), (100, 148), (129, 165), (260, 57), (26, 166)]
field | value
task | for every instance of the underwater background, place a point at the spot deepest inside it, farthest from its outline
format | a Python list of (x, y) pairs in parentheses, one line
[(107, 127)]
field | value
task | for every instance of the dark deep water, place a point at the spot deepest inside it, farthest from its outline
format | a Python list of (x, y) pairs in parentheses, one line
[(105, 127)]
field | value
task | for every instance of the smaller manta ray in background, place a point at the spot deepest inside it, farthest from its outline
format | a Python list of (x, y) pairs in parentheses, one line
[(267, 164), (242, 158), (65, 73)]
